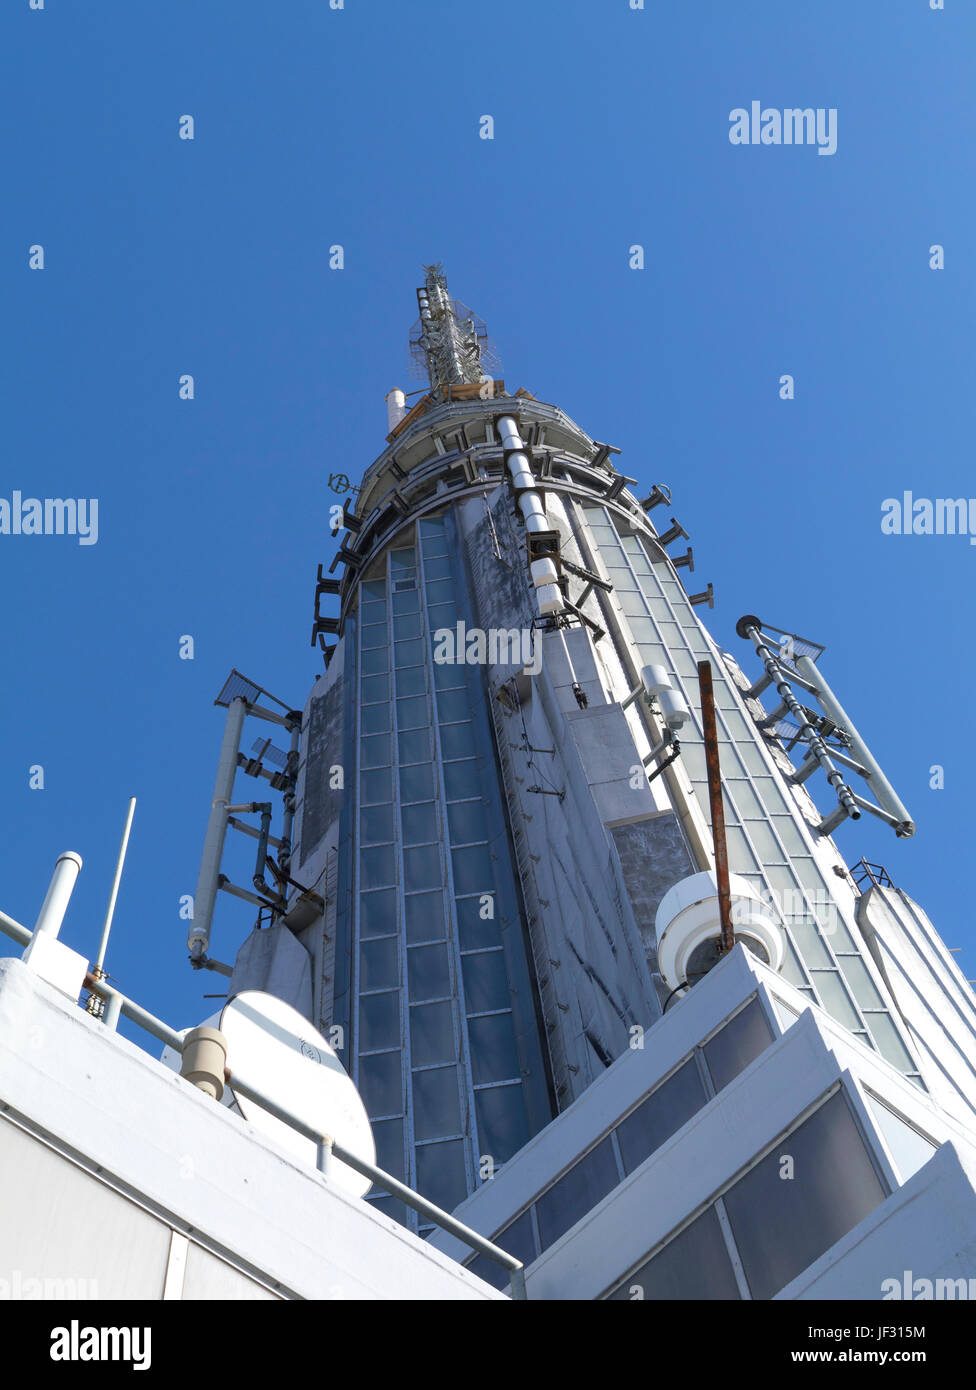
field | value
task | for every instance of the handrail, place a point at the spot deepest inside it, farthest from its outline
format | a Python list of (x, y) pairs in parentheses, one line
[(117, 1003)]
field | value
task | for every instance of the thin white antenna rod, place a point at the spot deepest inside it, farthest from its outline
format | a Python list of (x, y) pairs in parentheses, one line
[(110, 911)]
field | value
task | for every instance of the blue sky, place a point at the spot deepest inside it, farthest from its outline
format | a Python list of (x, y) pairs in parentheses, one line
[(360, 127)]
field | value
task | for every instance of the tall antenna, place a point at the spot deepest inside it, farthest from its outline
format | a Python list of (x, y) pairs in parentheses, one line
[(448, 343)]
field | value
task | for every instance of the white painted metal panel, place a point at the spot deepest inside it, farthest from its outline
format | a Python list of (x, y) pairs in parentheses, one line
[(78, 1237), (207, 1277)]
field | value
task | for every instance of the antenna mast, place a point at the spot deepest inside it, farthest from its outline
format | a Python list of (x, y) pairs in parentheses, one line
[(449, 342)]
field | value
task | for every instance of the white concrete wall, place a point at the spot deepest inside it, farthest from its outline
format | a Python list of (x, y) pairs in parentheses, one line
[(191, 1163)]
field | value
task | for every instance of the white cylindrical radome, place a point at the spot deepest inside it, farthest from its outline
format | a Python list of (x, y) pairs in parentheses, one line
[(396, 406), (658, 685), (688, 916)]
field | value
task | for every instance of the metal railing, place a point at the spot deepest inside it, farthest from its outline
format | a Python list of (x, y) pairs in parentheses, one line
[(327, 1148)]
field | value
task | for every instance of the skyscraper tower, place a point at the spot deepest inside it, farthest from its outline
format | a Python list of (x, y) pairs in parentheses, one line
[(506, 870)]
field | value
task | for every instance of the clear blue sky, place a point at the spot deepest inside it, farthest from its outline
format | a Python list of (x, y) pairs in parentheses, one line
[(360, 127)]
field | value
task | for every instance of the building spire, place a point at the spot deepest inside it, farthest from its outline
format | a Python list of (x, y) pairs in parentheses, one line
[(448, 342)]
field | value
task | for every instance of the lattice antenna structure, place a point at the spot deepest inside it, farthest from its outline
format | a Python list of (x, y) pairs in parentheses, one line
[(448, 343)]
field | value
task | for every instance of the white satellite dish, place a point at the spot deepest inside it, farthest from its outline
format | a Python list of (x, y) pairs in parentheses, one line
[(275, 1049)]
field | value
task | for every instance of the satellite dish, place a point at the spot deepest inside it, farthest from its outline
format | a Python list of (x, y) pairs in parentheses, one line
[(274, 1048)]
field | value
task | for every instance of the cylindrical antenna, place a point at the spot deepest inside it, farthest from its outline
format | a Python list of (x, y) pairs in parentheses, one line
[(110, 910), (55, 902)]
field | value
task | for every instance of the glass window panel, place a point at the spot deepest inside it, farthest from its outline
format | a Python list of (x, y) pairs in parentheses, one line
[(889, 1043), (517, 1239), (436, 1107), (441, 616), (437, 567), (376, 661), (377, 866), (622, 580), (374, 719), (417, 783), (453, 705), (432, 1034), (435, 545), (424, 917), (633, 605), (448, 675), (790, 834), (792, 969), (502, 1126), (768, 848), (373, 588), (644, 631), (909, 1149), (693, 1266), (441, 1175), (472, 870), (377, 913), (405, 601), (379, 967), (413, 713), (457, 740), (377, 750), (474, 930), (380, 1083), (409, 625), (376, 785), (373, 611), (440, 591), (419, 823), (662, 1114), (422, 868), (379, 1021), (374, 635), (494, 1056), (861, 984), (485, 982), (411, 681), (374, 688), (428, 973), (741, 858), (835, 998), (462, 779), (747, 803), (468, 821), (409, 653), (376, 824), (415, 746), (782, 1227), (405, 582), (403, 559), (809, 941), (739, 728), (576, 1193), (388, 1136), (737, 1044), (753, 759)]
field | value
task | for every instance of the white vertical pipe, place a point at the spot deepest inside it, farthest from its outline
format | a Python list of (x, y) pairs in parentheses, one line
[(119, 865), (213, 845), (55, 902), (549, 597)]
